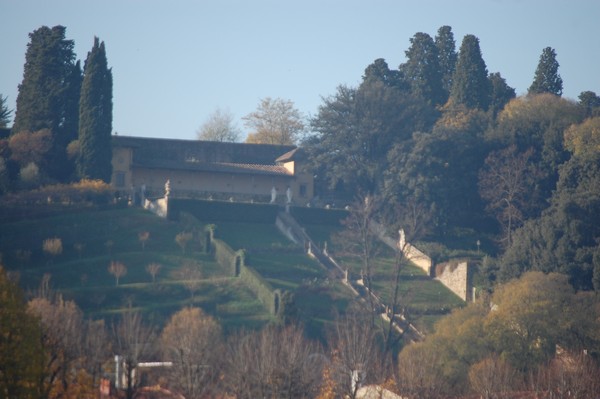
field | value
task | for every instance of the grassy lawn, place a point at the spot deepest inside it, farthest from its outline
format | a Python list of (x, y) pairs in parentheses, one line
[(252, 236), (92, 239)]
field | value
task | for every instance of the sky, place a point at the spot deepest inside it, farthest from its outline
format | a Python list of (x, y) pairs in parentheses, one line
[(175, 62)]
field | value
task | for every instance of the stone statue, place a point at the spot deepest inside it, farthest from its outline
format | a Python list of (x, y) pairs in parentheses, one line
[(168, 188), (288, 193), (273, 195)]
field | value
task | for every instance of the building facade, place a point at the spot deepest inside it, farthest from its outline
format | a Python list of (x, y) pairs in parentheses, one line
[(207, 169)]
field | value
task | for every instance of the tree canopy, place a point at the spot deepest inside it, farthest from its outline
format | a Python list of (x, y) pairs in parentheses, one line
[(219, 126), (547, 78), (48, 96), (276, 121), (95, 117), (470, 85)]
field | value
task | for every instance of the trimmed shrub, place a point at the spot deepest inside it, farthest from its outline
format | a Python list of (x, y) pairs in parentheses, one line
[(211, 211)]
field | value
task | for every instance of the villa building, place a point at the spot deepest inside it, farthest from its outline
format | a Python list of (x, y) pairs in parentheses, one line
[(208, 169)]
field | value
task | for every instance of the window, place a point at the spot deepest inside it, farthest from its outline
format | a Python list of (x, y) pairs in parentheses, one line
[(120, 179), (303, 190)]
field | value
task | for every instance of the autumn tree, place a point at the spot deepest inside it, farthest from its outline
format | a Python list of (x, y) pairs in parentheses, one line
[(493, 377), (273, 362), (547, 78), (191, 340), (143, 237), (62, 326), (190, 275), (183, 239), (355, 352), (48, 96), (470, 84), (52, 246), (152, 269), (538, 122), (219, 126), (21, 352), (583, 139), (276, 121), (95, 117), (133, 343), (118, 270)]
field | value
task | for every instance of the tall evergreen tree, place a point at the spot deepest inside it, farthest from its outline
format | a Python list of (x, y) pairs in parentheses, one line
[(49, 93), (444, 41), (95, 116), (470, 86), (422, 69), (4, 112), (501, 93), (547, 79)]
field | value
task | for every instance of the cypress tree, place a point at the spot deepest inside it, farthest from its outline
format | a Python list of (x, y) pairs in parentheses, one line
[(444, 41), (547, 79), (95, 117), (470, 86), (48, 92), (422, 69)]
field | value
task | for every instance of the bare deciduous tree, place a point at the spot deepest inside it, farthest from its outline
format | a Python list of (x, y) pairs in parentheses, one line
[(118, 270), (143, 237), (276, 121), (219, 126), (190, 275), (52, 246), (182, 239), (192, 341), (152, 269), (355, 352), (133, 342), (493, 378), (273, 363)]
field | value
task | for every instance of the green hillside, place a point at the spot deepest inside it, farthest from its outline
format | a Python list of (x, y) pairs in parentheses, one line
[(92, 238)]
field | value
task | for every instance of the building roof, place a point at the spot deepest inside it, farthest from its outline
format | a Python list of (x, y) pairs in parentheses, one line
[(205, 155)]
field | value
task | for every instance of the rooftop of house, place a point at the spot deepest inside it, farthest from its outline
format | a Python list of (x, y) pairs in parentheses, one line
[(210, 156)]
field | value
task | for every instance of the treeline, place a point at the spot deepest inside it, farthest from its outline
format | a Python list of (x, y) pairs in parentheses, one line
[(63, 120), (534, 335), (445, 139)]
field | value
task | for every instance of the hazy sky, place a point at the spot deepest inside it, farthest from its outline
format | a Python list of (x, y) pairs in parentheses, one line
[(174, 62)]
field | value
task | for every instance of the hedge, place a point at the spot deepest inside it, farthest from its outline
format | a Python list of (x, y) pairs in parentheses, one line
[(212, 211), (319, 216), (227, 258)]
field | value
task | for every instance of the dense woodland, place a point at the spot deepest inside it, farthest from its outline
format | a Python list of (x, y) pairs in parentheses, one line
[(443, 147)]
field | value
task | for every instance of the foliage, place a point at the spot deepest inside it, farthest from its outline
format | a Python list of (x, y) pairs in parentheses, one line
[(447, 56), (422, 69), (564, 238), (547, 79), (504, 183), (274, 362), (53, 246), (219, 126), (501, 93), (117, 269), (182, 239), (357, 127), (49, 94), (584, 138), (470, 85), (276, 121), (4, 112), (21, 352), (191, 341), (95, 117), (538, 122)]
